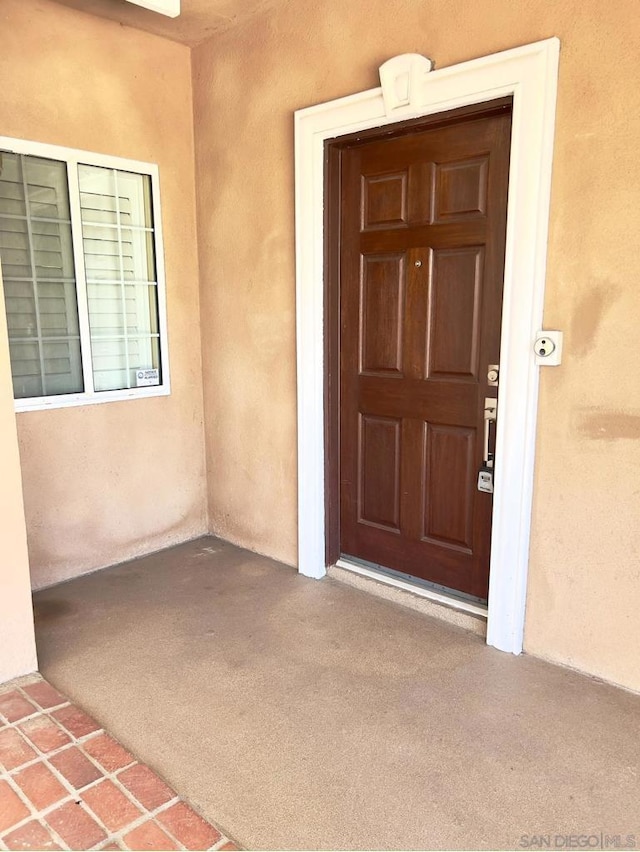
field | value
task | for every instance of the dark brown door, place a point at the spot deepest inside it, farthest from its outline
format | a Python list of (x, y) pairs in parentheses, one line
[(422, 230)]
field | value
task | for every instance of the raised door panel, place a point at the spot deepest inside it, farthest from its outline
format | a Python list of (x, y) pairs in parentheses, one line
[(455, 302), (448, 485), (379, 471), (460, 190), (383, 201), (382, 298)]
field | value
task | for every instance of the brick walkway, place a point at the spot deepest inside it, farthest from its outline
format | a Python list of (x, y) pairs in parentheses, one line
[(66, 784)]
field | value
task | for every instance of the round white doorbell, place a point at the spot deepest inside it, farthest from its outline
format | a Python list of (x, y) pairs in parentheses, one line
[(548, 348), (544, 347)]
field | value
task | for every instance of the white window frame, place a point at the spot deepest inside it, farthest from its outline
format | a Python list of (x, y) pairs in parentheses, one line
[(74, 157)]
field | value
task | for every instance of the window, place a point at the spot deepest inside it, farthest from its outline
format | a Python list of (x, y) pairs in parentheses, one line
[(81, 255)]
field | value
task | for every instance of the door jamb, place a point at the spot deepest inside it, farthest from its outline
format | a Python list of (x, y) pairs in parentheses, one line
[(529, 75)]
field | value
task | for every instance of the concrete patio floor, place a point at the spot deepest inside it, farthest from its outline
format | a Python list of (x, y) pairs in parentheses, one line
[(299, 714)]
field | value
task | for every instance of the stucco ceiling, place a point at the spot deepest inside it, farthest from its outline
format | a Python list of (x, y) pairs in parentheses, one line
[(198, 20)]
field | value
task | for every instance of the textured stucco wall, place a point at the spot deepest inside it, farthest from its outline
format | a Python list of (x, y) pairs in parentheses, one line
[(106, 482), (584, 588), (17, 642)]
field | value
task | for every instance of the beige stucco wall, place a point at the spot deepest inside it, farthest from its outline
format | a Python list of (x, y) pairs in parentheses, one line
[(584, 588), (105, 482), (17, 642)]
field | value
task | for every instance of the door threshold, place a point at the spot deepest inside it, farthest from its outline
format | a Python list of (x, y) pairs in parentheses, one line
[(474, 609)]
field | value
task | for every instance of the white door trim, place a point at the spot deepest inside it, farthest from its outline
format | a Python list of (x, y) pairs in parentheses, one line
[(530, 75)]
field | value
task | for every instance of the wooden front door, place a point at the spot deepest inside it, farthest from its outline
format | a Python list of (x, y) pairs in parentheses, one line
[(421, 256)]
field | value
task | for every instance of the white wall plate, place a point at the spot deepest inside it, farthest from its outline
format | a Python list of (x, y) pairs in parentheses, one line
[(170, 8)]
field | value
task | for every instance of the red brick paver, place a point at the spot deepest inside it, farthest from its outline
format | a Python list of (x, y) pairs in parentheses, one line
[(14, 706), (66, 784), (145, 785), (14, 749), (76, 767), (149, 836), (40, 786), (32, 835), (109, 754), (77, 723), (189, 828), (111, 805), (75, 826), (12, 809), (44, 694), (44, 733)]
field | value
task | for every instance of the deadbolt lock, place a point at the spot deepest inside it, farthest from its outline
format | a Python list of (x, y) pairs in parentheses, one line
[(493, 374)]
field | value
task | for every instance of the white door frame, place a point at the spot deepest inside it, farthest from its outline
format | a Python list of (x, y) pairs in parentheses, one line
[(530, 75)]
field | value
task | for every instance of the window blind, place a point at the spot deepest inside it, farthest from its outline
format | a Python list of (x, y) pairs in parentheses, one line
[(39, 276), (118, 239)]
